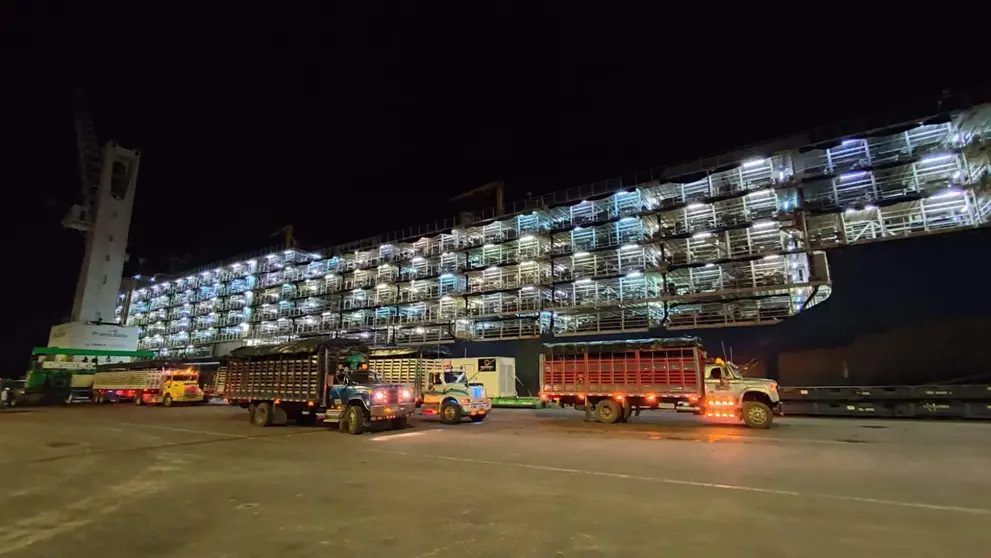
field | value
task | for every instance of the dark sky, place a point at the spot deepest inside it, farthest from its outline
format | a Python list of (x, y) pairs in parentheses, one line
[(347, 122)]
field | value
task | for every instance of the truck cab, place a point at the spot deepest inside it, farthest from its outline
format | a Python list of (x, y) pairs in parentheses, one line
[(729, 395), (451, 395), (178, 386)]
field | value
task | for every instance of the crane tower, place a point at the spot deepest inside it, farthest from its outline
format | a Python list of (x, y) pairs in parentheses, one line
[(103, 214)]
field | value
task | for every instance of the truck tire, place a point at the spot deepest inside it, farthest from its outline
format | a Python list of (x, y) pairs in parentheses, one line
[(138, 400), (399, 423), (251, 412), (355, 420), (450, 413), (757, 415), (167, 400), (262, 415), (608, 411)]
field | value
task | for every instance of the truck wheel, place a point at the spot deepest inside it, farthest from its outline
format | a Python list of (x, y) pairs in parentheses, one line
[(137, 400), (251, 412), (608, 411), (356, 420), (757, 414), (450, 413), (399, 423), (263, 415), (478, 418), (167, 401)]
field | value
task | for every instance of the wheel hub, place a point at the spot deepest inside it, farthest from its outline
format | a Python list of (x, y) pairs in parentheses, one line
[(757, 414)]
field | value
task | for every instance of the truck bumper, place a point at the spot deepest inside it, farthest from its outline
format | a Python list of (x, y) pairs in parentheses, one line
[(477, 407), (384, 412)]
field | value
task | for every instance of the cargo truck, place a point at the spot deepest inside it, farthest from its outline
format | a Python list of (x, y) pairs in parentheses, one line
[(311, 380), (439, 388), (146, 383), (614, 380)]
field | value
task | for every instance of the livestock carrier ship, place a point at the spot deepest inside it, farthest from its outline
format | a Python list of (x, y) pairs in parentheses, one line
[(739, 239)]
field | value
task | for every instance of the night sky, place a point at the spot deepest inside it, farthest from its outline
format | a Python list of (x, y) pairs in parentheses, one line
[(349, 122)]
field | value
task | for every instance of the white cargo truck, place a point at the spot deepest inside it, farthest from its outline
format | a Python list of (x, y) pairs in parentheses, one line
[(443, 387)]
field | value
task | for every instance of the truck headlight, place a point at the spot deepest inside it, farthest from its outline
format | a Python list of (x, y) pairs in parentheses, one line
[(379, 396), (405, 395)]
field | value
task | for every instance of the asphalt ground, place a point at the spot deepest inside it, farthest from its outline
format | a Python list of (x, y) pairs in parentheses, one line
[(109, 481)]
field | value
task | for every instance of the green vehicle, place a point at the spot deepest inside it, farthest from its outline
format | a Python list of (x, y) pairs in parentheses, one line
[(60, 375)]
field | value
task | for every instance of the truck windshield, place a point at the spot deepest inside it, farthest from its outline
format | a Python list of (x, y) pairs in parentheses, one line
[(365, 377), (183, 378), (454, 377)]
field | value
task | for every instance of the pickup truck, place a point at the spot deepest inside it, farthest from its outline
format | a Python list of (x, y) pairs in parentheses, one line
[(311, 380)]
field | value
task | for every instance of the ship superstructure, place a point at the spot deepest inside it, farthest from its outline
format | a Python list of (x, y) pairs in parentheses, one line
[(733, 240)]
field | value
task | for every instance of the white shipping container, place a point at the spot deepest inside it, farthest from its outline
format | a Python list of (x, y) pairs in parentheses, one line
[(497, 374)]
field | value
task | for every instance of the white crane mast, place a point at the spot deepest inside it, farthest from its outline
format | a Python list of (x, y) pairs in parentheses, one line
[(108, 176)]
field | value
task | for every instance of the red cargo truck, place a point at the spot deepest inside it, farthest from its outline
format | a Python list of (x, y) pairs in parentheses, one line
[(615, 380)]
